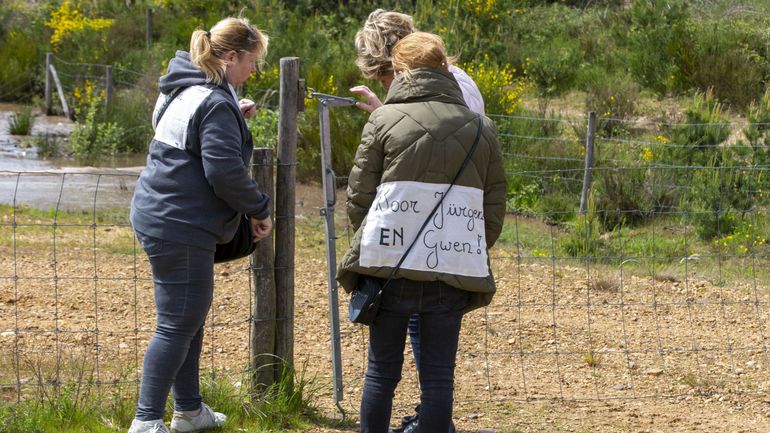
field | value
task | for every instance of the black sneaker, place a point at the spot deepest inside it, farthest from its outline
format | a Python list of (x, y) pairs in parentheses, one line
[(406, 424)]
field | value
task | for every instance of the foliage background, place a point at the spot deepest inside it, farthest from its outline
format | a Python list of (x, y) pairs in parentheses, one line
[(693, 70)]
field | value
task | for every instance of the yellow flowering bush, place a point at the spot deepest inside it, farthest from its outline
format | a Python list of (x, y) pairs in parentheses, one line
[(501, 88), (84, 96), (483, 8), (745, 239), (71, 28)]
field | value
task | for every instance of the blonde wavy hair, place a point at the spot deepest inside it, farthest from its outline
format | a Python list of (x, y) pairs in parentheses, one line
[(376, 39), (207, 48), (420, 50)]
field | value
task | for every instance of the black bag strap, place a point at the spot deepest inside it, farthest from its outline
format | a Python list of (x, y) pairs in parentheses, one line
[(435, 208), (171, 97)]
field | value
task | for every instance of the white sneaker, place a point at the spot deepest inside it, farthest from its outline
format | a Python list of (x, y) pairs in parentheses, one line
[(205, 419), (154, 426)]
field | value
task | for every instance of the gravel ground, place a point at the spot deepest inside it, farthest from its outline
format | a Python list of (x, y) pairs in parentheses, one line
[(556, 351)]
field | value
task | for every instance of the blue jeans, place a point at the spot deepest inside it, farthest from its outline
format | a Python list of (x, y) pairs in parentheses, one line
[(440, 308), (414, 338), (184, 287)]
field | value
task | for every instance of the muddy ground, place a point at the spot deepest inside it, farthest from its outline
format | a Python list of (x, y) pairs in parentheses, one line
[(560, 349)]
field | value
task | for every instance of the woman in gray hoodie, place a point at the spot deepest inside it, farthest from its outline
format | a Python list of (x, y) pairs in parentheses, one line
[(190, 197)]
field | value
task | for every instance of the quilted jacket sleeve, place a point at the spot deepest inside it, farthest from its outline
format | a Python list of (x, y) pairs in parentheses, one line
[(494, 187), (365, 175)]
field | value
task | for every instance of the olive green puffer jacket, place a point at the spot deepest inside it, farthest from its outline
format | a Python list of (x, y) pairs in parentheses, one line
[(423, 133)]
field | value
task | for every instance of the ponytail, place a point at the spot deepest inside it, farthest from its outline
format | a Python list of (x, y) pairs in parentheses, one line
[(207, 48), (202, 56)]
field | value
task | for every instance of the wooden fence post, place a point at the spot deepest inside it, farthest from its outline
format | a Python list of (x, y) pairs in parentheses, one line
[(284, 210), (263, 323), (148, 28), (107, 86), (589, 164), (60, 91), (48, 84)]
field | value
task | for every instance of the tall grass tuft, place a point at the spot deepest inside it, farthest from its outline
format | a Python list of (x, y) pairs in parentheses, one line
[(21, 122)]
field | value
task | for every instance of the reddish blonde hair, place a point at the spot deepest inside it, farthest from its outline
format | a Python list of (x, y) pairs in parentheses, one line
[(419, 50)]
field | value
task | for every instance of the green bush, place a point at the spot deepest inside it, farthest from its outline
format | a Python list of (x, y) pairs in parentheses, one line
[(758, 116), (130, 110), (47, 145), (264, 128), (720, 196), (729, 59), (21, 122), (557, 208), (584, 238), (613, 98), (22, 67), (555, 68), (93, 139), (704, 127), (659, 44)]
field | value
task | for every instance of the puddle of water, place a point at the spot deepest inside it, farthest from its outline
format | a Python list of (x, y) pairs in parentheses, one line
[(61, 183), (18, 154)]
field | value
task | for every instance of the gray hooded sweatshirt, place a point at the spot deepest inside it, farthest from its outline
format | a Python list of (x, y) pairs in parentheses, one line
[(196, 184)]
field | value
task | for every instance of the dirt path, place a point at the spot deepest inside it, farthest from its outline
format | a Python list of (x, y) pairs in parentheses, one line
[(549, 355)]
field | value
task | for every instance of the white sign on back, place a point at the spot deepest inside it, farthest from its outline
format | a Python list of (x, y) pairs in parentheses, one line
[(453, 242)]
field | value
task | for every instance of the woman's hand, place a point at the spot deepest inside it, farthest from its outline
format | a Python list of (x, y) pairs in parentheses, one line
[(372, 101), (260, 228), (248, 108)]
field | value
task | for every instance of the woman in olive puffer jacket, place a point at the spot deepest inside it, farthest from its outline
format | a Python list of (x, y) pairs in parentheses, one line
[(411, 149)]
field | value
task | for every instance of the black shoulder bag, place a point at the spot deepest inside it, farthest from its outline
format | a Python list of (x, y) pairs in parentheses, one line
[(241, 244), (366, 297)]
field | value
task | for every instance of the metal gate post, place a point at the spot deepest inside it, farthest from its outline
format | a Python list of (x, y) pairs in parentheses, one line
[(330, 198)]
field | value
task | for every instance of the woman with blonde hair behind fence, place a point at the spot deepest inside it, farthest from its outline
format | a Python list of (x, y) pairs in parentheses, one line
[(411, 151), (190, 197), (374, 45)]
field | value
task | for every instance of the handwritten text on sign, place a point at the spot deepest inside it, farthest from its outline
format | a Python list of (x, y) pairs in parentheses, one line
[(453, 241)]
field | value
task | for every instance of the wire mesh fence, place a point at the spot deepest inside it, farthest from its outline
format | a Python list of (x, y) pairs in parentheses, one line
[(659, 290)]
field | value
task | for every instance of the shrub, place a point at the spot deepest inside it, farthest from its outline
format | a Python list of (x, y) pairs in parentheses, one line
[(22, 50), (47, 145), (758, 116), (264, 128), (78, 36), (21, 122), (93, 139), (501, 89), (555, 67), (613, 98), (719, 197), (557, 208), (131, 110), (583, 240), (537, 158), (659, 43), (704, 127), (729, 60)]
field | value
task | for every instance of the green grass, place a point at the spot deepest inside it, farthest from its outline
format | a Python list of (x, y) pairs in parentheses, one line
[(84, 407), (664, 249), (21, 122)]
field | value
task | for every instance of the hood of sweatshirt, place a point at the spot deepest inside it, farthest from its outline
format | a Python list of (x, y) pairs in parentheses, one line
[(181, 72)]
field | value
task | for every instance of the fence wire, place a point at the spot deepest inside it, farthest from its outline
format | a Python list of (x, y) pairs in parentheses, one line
[(659, 291)]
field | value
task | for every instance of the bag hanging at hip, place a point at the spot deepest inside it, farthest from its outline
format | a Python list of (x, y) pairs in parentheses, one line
[(239, 246), (366, 298)]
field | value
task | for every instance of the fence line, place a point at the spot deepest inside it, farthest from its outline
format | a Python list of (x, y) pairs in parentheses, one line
[(674, 304)]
